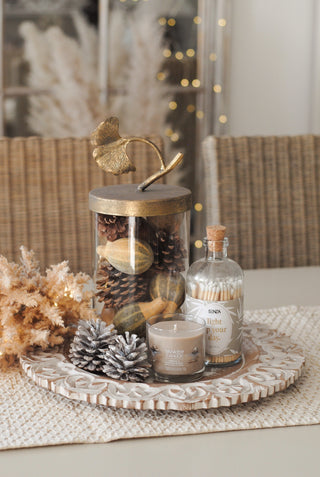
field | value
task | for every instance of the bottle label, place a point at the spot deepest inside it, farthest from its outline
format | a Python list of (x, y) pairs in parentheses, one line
[(224, 324)]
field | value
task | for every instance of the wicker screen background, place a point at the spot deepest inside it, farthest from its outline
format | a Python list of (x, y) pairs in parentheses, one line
[(268, 191)]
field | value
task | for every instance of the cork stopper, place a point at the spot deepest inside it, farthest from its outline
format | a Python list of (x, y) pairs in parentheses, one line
[(215, 237)]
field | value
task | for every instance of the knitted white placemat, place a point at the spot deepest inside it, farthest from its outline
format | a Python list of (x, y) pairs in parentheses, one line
[(32, 416)]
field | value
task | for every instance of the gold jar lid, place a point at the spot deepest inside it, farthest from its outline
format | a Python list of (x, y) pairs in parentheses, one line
[(127, 200)]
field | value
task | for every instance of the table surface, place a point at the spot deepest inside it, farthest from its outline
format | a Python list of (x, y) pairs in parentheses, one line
[(290, 451)]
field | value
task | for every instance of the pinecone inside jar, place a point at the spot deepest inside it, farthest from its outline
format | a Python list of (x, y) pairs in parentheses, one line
[(127, 359), (117, 289), (169, 252), (112, 227), (92, 338)]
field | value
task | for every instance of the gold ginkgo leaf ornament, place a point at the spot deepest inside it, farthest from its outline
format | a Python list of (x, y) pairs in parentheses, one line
[(106, 132), (110, 151), (111, 155)]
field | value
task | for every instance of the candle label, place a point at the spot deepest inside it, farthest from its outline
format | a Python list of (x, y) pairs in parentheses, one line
[(175, 360), (224, 324)]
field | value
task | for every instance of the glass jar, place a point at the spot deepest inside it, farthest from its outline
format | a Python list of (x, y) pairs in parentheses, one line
[(176, 345), (141, 252), (214, 292)]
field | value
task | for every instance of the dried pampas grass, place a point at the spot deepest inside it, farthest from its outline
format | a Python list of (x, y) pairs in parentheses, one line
[(146, 98), (36, 310), (68, 68)]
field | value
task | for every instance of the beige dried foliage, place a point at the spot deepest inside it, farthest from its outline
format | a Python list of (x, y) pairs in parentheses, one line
[(68, 67), (39, 310)]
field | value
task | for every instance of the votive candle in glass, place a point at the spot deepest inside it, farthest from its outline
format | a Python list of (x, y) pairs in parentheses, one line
[(176, 345)]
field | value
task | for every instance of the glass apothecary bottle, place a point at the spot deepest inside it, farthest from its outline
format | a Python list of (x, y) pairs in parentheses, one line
[(214, 292), (141, 252)]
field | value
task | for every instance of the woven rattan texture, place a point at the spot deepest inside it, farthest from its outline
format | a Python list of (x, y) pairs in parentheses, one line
[(267, 193), (32, 416), (44, 187)]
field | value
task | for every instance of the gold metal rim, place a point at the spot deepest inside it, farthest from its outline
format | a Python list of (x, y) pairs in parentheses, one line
[(127, 200)]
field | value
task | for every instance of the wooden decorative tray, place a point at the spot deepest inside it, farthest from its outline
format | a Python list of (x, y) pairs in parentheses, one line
[(271, 362)]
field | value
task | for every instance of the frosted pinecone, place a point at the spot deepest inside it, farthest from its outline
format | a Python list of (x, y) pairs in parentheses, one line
[(127, 359), (92, 338)]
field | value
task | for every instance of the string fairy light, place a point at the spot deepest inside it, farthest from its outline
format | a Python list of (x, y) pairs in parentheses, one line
[(162, 21), (222, 22), (195, 83), (161, 76), (198, 207), (166, 53), (184, 82), (200, 114), (213, 57), (190, 52), (191, 108), (198, 243), (171, 22), (223, 119), (217, 88), (173, 105), (197, 20), (175, 137), (179, 55)]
